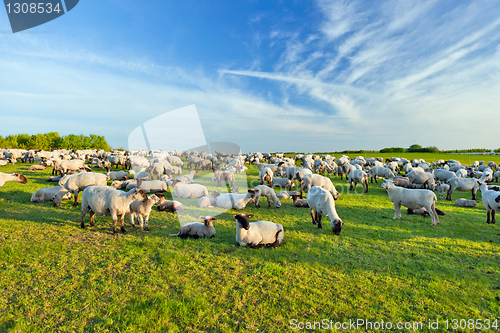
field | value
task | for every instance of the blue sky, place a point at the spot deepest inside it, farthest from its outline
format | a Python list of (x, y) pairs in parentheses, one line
[(269, 76)]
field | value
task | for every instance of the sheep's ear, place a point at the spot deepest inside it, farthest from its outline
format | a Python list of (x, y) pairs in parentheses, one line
[(249, 216), (234, 215), (201, 217)]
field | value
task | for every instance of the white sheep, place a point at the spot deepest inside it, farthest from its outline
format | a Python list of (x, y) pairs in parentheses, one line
[(46, 194), (465, 203), (311, 180), (235, 201), (209, 200), (66, 165), (258, 233), (116, 175), (283, 183), (463, 184), (491, 201), (190, 191), (321, 201), (150, 185), (105, 200), (197, 229), (266, 175), (5, 177), (185, 179), (77, 183), (442, 189), (411, 198), (286, 194), (266, 191), (359, 176), (142, 209)]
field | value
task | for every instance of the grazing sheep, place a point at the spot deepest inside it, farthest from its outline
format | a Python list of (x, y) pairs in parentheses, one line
[(301, 203), (184, 191), (77, 183), (198, 230), (235, 201), (170, 206), (266, 175), (107, 201), (263, 190), (462, 184), (225, 176), (421, 177), (142, 209), (403, 182), (444, 175), (496, 175), (414, 199), (286, 194), (465, 203), (36, 167), (380, 172), (66, 165), (442, 189), (321, 201), (317, 180), (209, 200), (491, 201), (258, 233), (359, 176), (284, 183), (47, 194), (5, 177)]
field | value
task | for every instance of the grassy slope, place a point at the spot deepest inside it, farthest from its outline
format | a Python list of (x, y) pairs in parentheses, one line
[(58, 277)]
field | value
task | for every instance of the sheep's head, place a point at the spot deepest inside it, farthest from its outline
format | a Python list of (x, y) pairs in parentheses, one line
[(242, 219), (140, 195), (215, 193), (208, 220), (253, 192), (337, 226), (21, 178), (388, 183)]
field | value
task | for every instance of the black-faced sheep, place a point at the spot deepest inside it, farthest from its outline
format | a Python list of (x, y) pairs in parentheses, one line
[(258, 233), (266, 191), (300, 203), (5, 177), (197, 229), (321, 201), (170, 206)]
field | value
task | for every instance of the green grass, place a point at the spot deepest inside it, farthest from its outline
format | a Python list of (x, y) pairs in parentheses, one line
[(57, 277)]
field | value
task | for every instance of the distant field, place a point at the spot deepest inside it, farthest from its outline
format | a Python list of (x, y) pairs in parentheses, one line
[(57, 277)]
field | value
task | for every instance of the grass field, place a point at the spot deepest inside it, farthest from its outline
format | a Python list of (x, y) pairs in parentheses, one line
[(57, 277)]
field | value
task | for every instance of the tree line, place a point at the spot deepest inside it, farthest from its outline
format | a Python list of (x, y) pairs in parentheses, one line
[(52, 140)]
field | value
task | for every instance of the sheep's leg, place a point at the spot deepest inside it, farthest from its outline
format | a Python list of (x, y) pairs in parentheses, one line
[(365, 189), (92, 217), (82, 216), (76, 194), (132, 219), (115, 220), (473, 194), (141, 221), (147, 223), (122, 222), (312, 216), (493, 216), (488, 215), (350, 187), (448, 194), (318, 218), (268, 202), (397, 211)]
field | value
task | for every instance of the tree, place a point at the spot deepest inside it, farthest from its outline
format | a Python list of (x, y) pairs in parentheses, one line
[(415, 148)]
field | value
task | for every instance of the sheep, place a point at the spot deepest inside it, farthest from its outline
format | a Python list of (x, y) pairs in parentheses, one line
[(321, 201), (266, 175), (411, 198), (421, 177), (496, 175), (462, 184), (157, 169), (64, 166), (282, 183), (359, 176), (403, 182), (491, 201), (184, 191), (142, 175), (171, 206), (444, 175), (142, 209), (209, 200), (107, 201), (442, 189), (54, 179), (116, 160), (5, 177), (465, 203), (47, 194), (286, 194), (301, 203), (317, 180), (185, 179), (36, 167), (423, 212), (116, 175), (77, 183), (150, 185), (175, 160), (462, 173), (235, 201), (197, 230), (263, 190), (225, 176), (258, 233)]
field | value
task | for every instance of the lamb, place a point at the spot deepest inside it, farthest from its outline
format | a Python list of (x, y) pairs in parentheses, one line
[(414, 199), (198, 230), (465, 203), (142, 209), (359, 176), (116, 175), (282, 183), (151, 185), (462, 184), (225, 176), (235, 201), (77, 183), (286, 194), (491, 201), (107, 201), (263, 190), (36, 167), (258, 233), (321, 201), (301, 203), (47, 194), (5, 177), (209, 200), (266, 175), (317, 180), (190, 191), (171, 206), (185, 179), (381, 172), (54, 179), (442, 189)]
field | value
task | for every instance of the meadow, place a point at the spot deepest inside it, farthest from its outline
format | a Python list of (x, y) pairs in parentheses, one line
[(57, 277)]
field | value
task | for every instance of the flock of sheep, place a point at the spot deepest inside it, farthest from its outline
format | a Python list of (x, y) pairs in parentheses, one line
[(414, 189)]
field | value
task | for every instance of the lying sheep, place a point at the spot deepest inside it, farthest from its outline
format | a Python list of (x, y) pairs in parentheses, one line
[(301, 203), (286, 194), (107, 201), (209, 200), (170, 206), (423, 212), (321, 201), (235, 201), (185, 179), (184, 191), (283, 183), (258, 233), (491, 201), (151, 185), (198, 230), (36, 167), (266, 191), (465, 203), (142, 209), (47, 194), (116, 175), (414, 199), (54, 179), (6, 177)]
